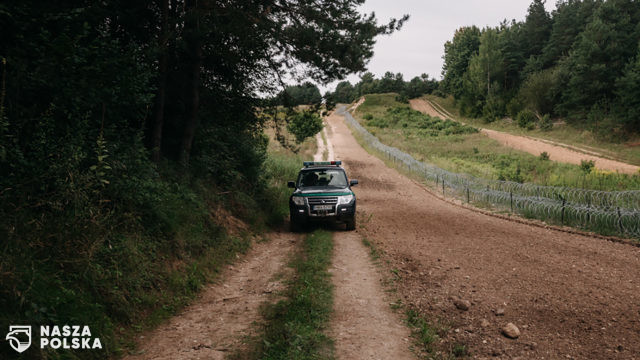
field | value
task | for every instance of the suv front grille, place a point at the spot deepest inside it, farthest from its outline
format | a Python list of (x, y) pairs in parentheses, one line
[(314, 201), (325, 200)]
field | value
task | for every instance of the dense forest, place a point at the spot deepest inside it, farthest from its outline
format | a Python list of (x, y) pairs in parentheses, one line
[(122, 123), (581, 63)]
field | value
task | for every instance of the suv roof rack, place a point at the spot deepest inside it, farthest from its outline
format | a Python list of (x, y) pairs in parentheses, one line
[(322, 163)]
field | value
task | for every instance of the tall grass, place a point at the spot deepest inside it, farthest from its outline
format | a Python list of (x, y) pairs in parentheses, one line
[(280, 167)]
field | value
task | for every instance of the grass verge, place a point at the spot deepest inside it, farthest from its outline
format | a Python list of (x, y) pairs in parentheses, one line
[(295, 327), (585, 138), (462, 149)]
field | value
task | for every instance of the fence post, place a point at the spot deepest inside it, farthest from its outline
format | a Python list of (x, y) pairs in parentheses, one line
[(564, 202), (511, 199), (619, 220), (468, 194), (486, 196), (588, 209), (443, 186)]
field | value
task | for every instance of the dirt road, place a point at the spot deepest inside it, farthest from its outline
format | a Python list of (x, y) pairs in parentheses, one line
[(363, 325), (557, 152), (322, 139), (223, 314), (570, 296)]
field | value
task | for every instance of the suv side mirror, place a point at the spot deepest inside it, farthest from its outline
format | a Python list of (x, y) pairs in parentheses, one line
[(291, 184), (353, 182)]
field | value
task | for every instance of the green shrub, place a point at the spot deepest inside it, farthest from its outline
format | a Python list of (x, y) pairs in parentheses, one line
[(545, 123), (526, 119), (378, 122), (402, 98), (406, 118), (544, 156), (367, 116), (304, 124), (514, 107), (586, 166), (493, 110)]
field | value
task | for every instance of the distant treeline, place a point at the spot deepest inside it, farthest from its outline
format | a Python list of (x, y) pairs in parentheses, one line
[(581, 62), (305, 94), (390, 82)]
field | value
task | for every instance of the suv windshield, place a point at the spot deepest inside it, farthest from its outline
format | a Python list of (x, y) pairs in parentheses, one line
[(322, 178)]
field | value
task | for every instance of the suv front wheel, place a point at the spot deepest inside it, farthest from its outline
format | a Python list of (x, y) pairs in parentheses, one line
[(351, 224), (295, 225)]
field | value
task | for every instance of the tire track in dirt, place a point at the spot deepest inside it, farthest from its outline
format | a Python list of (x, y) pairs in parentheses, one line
[(224, 312), (560, 152), (571, 296), (363, 324), (321, 147)]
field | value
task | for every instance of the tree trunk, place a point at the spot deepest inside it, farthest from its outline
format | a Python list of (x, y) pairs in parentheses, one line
[(158, 118), (488, 81), (194, 48)]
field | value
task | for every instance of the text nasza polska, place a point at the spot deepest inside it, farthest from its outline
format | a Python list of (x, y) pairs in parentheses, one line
[(68, 337)]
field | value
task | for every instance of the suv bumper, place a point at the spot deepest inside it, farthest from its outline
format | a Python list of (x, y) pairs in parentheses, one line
[(302, 213)]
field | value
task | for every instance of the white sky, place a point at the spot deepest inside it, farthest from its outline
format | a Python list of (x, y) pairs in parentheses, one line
[(418, 48)]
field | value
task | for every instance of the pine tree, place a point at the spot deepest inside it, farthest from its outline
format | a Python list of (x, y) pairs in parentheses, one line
[(457, 54)]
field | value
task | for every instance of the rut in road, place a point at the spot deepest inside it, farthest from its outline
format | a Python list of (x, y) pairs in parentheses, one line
[(363, 324), (217, 321), (557, 152), (571, 296)]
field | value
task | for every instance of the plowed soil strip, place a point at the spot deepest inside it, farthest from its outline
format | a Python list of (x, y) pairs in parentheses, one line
[(571, 296), (536, 147), (217, 322)]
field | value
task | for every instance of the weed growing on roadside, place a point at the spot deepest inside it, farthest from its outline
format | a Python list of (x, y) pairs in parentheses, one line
[(295, 327), (372, 249)]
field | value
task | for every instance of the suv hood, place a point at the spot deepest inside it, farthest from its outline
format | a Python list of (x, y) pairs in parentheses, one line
[(322, 191)]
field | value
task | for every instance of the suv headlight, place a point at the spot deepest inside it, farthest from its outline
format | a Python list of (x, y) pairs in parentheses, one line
[(344, 199), (298, 200)]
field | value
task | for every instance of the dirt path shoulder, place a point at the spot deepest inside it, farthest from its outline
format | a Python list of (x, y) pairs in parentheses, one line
[(571, 296), (223, 314), (560, 152)]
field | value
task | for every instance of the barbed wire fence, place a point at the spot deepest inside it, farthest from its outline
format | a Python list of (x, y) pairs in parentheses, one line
[(604, 212)]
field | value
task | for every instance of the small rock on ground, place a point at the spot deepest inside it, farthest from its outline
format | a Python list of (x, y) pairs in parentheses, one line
[(463, 305), (511, 331)]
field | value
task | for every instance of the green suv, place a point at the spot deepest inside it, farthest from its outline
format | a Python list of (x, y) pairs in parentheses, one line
[(322, 193)]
